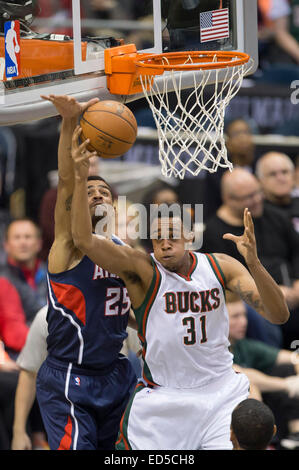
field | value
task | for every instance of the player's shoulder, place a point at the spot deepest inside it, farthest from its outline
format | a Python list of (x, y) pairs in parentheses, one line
[(227, 262)]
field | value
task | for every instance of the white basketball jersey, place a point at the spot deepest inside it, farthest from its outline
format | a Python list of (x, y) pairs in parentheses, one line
[(184, 326)]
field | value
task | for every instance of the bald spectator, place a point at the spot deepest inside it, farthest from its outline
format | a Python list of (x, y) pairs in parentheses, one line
[(277, 241), (276, 173), (241, 152)]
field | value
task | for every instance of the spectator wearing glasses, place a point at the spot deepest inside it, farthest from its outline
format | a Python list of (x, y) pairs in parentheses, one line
[(277, 241), (276, 173)]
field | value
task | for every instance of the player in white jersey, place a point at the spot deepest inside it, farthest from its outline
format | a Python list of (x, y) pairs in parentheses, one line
[(189, 388)]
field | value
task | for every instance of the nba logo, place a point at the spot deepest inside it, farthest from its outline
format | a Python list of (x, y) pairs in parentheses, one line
[(77, 381), (12, 48)]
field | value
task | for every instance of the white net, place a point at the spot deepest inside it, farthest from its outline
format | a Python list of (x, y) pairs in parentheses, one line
[(191, 130)]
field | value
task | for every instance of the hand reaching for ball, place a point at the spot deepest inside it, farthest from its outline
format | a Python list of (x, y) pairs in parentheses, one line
[(81, 155), (67, 106)]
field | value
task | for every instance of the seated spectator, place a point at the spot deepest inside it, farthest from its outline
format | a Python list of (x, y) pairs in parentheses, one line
[(295, 191), (277, 241), (23, 284), (278, 41), (276, 173), (270, 369), (241, 152), (252, 426), (280, 21)]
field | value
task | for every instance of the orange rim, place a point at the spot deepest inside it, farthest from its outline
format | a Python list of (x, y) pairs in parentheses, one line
[(201, 60)]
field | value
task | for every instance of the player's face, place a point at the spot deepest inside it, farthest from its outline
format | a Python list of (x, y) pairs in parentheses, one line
[(98, 194), (169, 242)]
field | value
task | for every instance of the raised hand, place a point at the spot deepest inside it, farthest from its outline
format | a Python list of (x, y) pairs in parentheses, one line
[(246, 243), (67, 106), (80, 154)]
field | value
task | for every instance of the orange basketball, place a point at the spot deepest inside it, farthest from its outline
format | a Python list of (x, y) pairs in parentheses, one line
[(111, 128)]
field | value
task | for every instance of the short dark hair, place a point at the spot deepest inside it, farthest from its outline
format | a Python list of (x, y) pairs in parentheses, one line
[(99, 178), (253, 424), (175, 209)]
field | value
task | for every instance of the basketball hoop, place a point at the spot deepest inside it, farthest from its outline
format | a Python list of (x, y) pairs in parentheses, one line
[(191, 130)]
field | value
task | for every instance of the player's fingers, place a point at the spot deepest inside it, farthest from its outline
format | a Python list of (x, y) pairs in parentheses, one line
[(77, 132), (75, 137), (245, 219), (83, 147), (250, 222), (86, 156), (249, 235), (230, 236), (89, 103)]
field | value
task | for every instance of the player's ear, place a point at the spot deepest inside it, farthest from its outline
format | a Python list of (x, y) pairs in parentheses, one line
[(274, 430)]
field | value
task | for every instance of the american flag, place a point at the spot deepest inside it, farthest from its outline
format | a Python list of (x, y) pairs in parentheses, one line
[(214, 25)]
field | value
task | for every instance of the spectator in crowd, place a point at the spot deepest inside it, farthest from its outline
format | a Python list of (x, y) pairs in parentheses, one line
[(47, 209), (270, 369), (23, 286), (278, 41), (241, 152), (252, 426), (258, 328), (295, 191), (276, 173), (280, 22), (277, 241)]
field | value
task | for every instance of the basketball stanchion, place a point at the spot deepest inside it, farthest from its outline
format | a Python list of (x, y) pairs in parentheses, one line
[(190, 131)]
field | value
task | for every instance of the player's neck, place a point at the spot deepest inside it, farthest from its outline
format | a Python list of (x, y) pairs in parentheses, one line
[(185, 265)]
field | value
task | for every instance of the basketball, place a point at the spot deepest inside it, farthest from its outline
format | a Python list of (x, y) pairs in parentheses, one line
[(111, 128)]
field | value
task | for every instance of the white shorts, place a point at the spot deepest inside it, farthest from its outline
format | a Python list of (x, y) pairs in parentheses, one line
[(163, 418)]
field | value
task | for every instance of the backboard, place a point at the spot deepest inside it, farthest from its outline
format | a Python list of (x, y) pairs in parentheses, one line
[(63, 53)]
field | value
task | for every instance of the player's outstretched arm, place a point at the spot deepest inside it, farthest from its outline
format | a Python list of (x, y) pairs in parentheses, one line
[(62, 251), (256, 287), (117, 259)]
